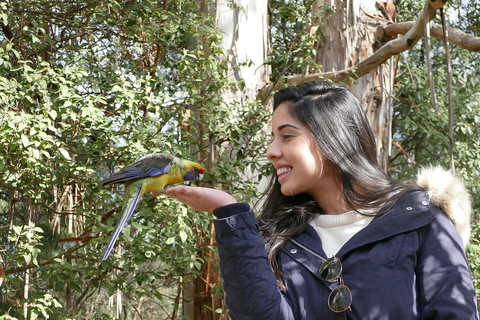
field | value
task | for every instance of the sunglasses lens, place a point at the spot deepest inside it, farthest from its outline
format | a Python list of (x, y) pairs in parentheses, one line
[(330, 269), (340, 299)]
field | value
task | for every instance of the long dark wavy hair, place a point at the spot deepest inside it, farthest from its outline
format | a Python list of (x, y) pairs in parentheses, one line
[(338, 123)]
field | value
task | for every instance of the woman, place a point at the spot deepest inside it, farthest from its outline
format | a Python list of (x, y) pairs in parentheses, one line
[(343, 241)]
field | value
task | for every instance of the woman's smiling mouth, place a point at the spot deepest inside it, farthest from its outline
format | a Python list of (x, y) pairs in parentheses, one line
[(282, 172)]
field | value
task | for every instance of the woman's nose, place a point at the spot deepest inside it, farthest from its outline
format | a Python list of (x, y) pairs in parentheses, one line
[(273, 152)]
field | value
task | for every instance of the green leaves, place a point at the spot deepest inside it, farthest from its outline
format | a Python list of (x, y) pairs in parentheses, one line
[(293, 43), (27, 240), (85, 90)]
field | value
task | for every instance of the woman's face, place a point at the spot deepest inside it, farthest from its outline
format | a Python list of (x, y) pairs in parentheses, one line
[(296, 156)]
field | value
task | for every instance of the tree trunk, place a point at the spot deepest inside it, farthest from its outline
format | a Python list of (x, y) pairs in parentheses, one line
[(245, 39), (348, 38)]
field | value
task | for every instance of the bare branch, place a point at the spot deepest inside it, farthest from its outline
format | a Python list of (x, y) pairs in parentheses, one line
[(456, 36), (450, 90), (429, 65), (393, 47), (400, 148)]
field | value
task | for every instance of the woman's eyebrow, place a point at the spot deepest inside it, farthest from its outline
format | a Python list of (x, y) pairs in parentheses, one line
[(283, 126)]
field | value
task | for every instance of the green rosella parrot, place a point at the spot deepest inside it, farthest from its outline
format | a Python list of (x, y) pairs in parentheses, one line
[(149, 174)]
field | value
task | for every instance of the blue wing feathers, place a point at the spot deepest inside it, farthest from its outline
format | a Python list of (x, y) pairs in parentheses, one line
[(134, 174), (158, 171), (149, 166), (127, 212), (122, 176)]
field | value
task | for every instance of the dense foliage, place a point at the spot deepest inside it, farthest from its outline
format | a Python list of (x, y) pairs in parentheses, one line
[(295, 32), (89, 86), (85, 88)]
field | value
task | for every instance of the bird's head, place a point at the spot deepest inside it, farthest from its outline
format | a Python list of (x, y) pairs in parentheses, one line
[(195, 172)]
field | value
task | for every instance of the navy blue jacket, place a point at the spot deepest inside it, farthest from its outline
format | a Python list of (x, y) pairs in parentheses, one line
[(406, 264)]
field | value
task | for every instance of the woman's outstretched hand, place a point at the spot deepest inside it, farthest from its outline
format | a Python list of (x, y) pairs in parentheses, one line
[(200, 198)]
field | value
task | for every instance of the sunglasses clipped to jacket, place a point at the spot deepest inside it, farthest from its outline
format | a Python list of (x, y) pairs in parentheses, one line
[(340, 299)]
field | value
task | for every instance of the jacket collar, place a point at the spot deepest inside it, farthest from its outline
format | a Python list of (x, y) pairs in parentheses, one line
[(410, 212), (448, 192)]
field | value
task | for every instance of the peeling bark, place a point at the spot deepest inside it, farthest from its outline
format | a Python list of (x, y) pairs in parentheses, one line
[(391, 48), (350, 40), (455, 36)]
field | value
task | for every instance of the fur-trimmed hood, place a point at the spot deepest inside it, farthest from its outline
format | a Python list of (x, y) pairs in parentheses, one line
[(448, 192)]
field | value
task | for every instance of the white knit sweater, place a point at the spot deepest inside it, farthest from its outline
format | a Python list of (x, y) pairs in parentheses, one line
[(336, 229)]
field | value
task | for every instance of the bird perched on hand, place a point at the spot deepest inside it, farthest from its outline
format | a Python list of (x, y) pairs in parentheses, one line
[(152, 173)]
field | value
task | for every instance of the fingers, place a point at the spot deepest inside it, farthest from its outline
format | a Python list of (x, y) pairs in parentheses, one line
[(179, 192), (200, 199), (188, 195)]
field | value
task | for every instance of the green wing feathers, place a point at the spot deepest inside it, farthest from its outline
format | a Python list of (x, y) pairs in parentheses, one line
[(132, 195)]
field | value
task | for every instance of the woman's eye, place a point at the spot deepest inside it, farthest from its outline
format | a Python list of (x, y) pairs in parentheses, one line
[(286, 136)]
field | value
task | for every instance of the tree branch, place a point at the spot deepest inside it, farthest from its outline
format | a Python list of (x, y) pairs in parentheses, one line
[(456, 36), (400, 148), (429, 66), (450, 90), (7, 31), (66, 254), (393, 47)]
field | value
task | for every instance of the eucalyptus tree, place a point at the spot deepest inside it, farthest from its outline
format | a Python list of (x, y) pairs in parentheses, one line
[(89, 86)]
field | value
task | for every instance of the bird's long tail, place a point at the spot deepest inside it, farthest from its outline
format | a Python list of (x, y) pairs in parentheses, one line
[(127, 211)]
